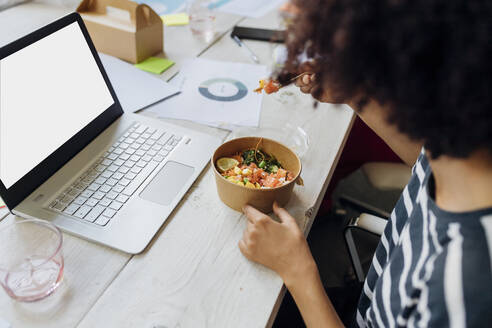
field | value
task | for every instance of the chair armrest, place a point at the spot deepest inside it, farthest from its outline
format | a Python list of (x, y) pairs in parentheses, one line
[(365, 222), (371, 223)]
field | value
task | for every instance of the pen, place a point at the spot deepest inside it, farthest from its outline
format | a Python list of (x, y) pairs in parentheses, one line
[(249, 51)]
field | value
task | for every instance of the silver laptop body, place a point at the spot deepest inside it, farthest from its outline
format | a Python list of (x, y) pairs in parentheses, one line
[(123, 183)]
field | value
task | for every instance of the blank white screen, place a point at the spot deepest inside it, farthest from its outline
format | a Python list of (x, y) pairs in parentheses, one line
[(49, 91)]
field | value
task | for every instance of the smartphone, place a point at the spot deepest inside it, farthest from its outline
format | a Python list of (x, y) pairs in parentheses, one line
[(259, 34)]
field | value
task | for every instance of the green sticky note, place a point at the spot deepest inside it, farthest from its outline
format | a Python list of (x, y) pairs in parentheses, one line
[(175, 19), (155, 65)]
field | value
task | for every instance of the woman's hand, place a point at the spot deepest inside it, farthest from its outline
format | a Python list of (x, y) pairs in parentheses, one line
[(280, 246), (307, 84)]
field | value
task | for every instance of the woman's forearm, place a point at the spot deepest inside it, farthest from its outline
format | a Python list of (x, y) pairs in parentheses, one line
[(311, 299)]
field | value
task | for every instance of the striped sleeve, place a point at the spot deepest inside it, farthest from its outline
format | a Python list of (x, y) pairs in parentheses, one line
[(459, 291)]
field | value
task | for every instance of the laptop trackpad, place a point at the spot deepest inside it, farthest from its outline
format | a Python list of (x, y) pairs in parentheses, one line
[(167, 183)]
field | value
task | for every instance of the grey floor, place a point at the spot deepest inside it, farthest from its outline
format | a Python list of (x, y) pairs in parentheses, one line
[(326, 236)]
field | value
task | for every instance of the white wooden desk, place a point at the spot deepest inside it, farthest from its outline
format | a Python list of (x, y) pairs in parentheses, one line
[(192, 274)]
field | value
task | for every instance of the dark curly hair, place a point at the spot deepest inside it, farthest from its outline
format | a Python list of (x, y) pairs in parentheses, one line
[(429, 61)]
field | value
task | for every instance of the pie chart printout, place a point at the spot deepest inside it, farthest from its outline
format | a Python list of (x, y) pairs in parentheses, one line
[(215, 93), (223, 89)]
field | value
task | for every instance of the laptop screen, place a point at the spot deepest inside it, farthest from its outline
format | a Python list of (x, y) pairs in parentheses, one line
[(49, 91)]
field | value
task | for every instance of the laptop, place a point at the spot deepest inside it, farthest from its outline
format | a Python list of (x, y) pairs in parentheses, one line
[(68, 153)]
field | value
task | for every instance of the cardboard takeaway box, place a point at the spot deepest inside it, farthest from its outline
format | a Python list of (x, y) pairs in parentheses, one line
[(123, 28)]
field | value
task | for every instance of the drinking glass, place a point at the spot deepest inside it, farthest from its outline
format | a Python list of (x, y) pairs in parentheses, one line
[(31, 259), (202, 20)]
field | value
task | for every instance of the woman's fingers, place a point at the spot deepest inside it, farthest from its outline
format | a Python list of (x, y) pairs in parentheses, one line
[(249, 228), (299, 82), (283, 215), (244, 249), (246, 234), (305, 83), (252, 213), (255, 215), (247, 241), (306, 79)]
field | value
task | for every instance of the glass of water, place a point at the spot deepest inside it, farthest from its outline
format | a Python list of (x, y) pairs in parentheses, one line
[(31, 259), (202, 20)]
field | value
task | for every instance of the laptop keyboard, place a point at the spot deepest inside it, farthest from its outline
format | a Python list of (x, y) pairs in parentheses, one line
[(101, 191)]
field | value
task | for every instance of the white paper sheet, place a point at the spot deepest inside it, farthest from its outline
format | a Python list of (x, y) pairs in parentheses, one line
[(135, 89), (215, 93), (251, 8), (3, 212)]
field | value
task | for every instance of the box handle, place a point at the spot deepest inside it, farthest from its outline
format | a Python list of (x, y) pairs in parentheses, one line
[(140, 14), (145, 16)]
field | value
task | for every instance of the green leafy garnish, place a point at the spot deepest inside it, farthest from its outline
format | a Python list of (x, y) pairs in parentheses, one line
[(249, 156), (261, 159)]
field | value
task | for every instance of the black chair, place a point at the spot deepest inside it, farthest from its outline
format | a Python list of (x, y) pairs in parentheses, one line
[(371, 220)]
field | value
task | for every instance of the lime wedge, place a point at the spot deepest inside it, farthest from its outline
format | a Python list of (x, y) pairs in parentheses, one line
[(225, 163)]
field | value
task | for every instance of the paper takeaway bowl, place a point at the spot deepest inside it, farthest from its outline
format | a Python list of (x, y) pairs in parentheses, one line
[(236, 196)]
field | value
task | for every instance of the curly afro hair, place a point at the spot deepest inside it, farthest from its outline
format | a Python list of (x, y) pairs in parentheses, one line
[(428, 61)]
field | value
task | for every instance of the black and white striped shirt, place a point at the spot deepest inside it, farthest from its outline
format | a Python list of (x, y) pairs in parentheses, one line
[(432, 268)]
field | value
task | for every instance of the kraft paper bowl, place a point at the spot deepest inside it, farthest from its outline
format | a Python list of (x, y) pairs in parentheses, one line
[(236, 196)]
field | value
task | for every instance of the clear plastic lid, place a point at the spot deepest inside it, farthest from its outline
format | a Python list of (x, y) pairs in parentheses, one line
[(293, 137)]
